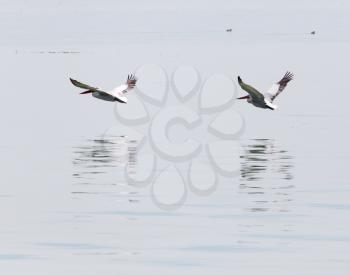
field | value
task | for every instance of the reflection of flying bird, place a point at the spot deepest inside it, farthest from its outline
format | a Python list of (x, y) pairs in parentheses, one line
[(265, 100), (117, 94)]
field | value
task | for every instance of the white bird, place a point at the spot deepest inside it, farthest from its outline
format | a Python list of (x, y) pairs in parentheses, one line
[(265, 101), (117, 94)]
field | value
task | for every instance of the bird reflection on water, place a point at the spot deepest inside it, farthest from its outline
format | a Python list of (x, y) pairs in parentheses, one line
[(97, 159), (265, 182), (266, 173)]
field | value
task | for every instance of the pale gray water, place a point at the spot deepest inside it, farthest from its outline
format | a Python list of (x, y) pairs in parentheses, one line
[(65, 204)]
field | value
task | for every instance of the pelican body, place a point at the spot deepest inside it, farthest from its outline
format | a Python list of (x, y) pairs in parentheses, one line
[(265, 101), (117, 94)]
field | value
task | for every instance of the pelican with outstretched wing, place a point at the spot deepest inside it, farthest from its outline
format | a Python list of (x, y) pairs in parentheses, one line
[(117, 94), (265, 101)]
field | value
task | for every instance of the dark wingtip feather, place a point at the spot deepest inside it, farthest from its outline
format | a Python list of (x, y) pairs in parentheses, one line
[(288, 76), (73, 81), (131, 81), (133, 77)]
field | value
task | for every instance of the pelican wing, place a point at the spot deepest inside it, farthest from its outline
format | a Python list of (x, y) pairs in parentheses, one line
[(84, 86), (123, 89), (131, 81), (278, 87), (254, 93), (119, 91)]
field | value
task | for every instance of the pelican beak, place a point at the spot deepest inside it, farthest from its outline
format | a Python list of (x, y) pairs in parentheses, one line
[(86, 92), (243, 97)]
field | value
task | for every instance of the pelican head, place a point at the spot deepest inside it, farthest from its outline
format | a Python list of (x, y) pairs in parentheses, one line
[(86, 92), (243, 97), (247, 97)]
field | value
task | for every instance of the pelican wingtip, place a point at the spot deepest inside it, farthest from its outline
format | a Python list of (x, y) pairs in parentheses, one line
[(73, 81)]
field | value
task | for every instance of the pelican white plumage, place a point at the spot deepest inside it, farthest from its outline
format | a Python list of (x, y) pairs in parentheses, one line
[(265, 101), (117, 94)]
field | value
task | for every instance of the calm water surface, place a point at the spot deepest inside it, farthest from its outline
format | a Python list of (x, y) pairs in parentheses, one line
[(66, 206)]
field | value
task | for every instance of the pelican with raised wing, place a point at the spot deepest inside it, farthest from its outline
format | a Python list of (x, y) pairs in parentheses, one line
[(265, 101), (117, 94)]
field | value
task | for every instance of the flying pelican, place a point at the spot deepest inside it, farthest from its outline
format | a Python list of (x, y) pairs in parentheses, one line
[(265, 100), (117, 94)]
